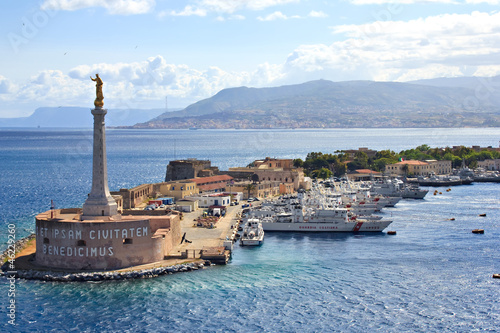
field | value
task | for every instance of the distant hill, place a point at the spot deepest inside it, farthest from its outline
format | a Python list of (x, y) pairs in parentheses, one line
[(326, 104), (79, 117)]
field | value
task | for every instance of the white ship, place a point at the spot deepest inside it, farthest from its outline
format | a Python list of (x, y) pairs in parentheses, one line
[(397, 188), (299, 216), (253, 233)]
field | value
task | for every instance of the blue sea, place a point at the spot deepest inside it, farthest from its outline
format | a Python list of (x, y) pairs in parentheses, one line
[(433, 276)]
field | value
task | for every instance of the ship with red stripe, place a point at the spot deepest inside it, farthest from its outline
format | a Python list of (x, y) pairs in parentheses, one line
[(320, 218)]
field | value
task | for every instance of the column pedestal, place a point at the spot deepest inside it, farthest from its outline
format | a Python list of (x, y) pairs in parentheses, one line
[(99, 203)]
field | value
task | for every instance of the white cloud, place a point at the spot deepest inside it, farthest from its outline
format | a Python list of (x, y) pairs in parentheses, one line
[(276, 16), (228, 6), (396, 50), (409, 2), (445, 45), (489, 2), (189, 11), (6, 87), (132, 85), (318, 14), (234, 17), (119, 7)]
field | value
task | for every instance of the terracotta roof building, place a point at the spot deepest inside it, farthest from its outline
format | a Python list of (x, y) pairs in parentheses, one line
[(213, 183)]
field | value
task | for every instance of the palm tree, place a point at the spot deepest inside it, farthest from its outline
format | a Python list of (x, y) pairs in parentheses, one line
[(405, 169), (249, 188)]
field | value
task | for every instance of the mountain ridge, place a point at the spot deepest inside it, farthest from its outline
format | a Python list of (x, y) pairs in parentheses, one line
[(324, 103)]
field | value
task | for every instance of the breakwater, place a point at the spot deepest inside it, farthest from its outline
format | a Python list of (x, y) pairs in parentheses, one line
[(108, 276)]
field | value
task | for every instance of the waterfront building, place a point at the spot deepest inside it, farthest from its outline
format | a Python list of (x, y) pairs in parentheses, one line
[(442, 167), (187, 204), (177, 189), (214, 199), (271, 170), (134, 197), (418, 168), (273, 163), (261, 189), (489, 164), (190, 168), (213, 184), (364, 174)]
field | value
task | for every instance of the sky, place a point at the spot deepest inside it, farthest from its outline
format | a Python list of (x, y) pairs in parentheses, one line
[(172, 53)]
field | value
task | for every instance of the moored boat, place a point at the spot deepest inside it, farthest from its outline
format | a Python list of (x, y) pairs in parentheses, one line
[(253, 233), (298, 215)]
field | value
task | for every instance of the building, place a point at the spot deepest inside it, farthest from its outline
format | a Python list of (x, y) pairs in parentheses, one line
[(177, 189), (419, 168), (442, 167), (213, 184), (187, 204), (364, 174), (137, 196), (273, 163), (351, 153), (263, 189), (489, 164), (271, 170), (214, 199), (190, 168), (134, 197)]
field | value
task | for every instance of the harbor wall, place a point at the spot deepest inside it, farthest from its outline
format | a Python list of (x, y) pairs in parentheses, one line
[(95, 245)]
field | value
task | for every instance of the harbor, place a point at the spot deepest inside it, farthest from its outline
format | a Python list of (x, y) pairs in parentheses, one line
[(334, 277)]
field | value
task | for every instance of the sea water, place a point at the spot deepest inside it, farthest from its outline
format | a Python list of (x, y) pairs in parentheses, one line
[(433, 276)]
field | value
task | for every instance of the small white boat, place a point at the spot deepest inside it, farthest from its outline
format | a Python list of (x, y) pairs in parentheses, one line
[(253, 233)]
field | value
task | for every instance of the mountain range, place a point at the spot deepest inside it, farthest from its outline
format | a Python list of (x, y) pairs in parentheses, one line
[(446, 102), (441, 102)]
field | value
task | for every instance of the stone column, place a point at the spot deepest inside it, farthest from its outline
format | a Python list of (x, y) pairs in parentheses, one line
[(99, 202)]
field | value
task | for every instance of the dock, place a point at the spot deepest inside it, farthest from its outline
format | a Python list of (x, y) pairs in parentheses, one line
[(214, 244)]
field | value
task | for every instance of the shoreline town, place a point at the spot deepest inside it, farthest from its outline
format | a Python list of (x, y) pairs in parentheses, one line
[(193, 218)]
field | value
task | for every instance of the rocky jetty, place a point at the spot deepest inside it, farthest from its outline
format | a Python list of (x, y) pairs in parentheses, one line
[(106, 276), (18, 245)]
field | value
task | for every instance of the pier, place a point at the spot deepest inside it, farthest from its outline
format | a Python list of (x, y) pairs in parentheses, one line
[(213, 244)]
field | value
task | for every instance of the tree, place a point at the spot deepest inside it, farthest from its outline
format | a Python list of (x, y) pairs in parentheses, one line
[(323, 173), (339, 169), (405, 169), (379, 164), (249, 188), (423, 148), (298, 163)]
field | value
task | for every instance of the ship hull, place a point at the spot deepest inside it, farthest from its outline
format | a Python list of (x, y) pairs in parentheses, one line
[(251, 242), (359, 226)]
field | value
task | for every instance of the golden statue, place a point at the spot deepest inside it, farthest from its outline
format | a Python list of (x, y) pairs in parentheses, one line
[(98, 91)]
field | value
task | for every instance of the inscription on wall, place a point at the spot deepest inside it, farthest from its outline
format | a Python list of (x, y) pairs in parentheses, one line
[(80, 248)]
